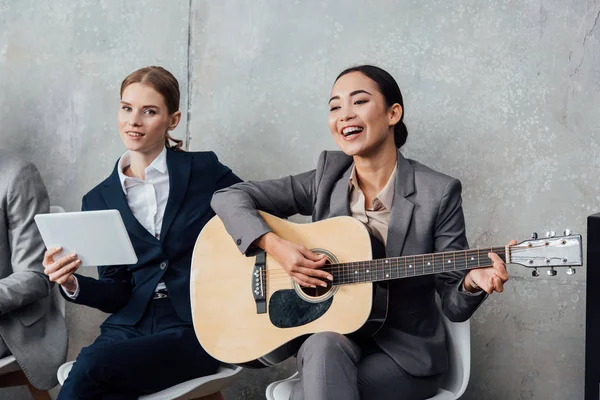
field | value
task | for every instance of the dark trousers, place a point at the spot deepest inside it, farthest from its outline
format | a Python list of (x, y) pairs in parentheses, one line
[(127, 361), (333, 367)]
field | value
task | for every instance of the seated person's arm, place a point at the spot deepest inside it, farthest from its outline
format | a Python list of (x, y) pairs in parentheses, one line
[(109, 293), (26, 197), (458, 303)]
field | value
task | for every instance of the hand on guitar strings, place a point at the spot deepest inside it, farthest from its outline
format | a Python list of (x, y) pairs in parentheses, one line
[(489, 279), (300, 263)]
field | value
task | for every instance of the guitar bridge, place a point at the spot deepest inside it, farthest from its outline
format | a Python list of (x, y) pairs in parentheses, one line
[(259, 283)]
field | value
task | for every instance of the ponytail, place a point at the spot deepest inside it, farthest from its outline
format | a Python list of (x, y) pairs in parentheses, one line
[(177, 144)]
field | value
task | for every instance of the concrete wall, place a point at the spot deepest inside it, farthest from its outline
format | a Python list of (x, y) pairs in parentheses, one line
[(501, 94)]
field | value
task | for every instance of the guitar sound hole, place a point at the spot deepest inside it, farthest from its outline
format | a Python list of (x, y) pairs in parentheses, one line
[(319, 290)]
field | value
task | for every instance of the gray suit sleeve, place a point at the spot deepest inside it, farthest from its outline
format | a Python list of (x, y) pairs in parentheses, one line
[(238, 205), (26, 197), (458, 305)]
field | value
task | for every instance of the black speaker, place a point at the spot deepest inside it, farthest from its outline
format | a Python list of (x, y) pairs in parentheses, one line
[(592, 310)]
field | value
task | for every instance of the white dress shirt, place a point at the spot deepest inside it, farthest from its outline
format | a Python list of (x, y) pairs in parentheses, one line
[(147, 198)]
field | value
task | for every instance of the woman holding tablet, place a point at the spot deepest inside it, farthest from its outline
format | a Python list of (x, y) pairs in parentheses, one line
[(163, 195)]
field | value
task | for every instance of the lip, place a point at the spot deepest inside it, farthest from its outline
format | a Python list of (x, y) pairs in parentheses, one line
[(129, 134), (351, 137)]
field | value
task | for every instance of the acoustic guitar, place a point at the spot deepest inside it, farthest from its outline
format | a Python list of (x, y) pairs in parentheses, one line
[(248, 311)]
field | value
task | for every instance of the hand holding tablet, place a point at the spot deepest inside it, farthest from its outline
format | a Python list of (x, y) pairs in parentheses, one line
[(97, 237)]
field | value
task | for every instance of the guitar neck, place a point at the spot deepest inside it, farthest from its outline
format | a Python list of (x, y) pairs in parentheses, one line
[(386, 269)]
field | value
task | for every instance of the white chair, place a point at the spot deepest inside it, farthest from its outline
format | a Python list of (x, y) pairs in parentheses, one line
[(454, 382), (10, 371), (206, 387)]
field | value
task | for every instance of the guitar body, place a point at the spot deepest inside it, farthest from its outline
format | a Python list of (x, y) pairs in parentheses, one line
[(248, 311)]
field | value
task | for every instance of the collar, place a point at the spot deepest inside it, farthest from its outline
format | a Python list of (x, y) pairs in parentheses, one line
[(159, 164), (385, 197)]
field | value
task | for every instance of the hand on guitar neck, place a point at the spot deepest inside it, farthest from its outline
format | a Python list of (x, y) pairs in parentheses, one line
[(489, 279), (299, 262)]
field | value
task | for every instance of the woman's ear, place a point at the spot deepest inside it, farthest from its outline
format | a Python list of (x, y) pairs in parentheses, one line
[(174, 120), (395, 114)]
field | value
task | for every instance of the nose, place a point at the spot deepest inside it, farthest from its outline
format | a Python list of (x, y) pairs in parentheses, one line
[(134, 119), (347, 113)]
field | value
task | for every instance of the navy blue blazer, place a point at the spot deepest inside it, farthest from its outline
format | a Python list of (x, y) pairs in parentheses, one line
[(126, 290)]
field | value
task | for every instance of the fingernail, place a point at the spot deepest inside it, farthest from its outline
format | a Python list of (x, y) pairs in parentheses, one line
[(73, 255), (330, 277), (313, 286), (57, 248), (324, 284)]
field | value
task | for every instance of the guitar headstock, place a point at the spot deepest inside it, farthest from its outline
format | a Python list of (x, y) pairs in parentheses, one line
[(549, 252)]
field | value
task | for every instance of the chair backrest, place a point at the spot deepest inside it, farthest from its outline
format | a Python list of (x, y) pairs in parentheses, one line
[(458, 336), (59, 301)]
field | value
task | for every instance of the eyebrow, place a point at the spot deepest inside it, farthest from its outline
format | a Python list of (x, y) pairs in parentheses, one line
[(148, 106), (351, 94)]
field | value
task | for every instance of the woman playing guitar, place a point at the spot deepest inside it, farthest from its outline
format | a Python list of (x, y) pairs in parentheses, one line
[(409, 207)]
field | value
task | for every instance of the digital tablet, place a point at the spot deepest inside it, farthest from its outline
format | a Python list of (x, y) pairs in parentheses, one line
[(97, 237)]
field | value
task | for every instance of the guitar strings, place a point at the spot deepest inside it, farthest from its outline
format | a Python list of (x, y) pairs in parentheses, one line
[(383, 271), (456, 257)]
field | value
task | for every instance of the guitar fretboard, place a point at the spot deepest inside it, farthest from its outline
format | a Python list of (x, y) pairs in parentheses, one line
[(407, 266)]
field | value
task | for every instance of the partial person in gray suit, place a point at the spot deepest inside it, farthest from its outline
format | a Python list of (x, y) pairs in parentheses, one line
[(409, 207), (32, 328)]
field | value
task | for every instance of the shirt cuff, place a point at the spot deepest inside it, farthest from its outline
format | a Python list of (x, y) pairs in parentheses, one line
[(74, 295)]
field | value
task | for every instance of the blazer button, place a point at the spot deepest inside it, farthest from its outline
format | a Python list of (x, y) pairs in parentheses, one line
[(163, 265), (239, 241)]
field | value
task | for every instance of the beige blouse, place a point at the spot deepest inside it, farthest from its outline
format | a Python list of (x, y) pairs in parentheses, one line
[(377, 219)]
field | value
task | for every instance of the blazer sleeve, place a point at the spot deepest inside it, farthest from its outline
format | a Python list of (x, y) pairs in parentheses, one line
[(110, 292), (238, 205), (458, 305), (224, 176), (26, 197)]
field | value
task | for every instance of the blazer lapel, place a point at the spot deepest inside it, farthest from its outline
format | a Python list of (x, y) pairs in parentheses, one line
[(340, 206), (112, 191), (402, 208), (179, 165)]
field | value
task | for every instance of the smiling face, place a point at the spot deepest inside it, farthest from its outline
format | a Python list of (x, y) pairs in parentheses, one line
[(359, 118), (144, 119)]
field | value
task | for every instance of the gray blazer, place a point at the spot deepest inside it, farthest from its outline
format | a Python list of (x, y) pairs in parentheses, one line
[(31, 325), (426, 217)]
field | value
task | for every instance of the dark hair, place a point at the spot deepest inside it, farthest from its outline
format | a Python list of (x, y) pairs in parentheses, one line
[(390, 91), (164, 83)]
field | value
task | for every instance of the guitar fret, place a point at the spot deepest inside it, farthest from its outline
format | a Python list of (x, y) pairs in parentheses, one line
[(414, 267), (362, 272)]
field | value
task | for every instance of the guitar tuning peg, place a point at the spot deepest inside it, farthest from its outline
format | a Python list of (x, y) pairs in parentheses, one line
[(547, 234), (571, 271), (534, 235), (552, 234), (535, 273), (568, 232), (551, 272)]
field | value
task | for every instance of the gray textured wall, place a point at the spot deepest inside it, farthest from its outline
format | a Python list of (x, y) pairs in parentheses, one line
[(501, 94)]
